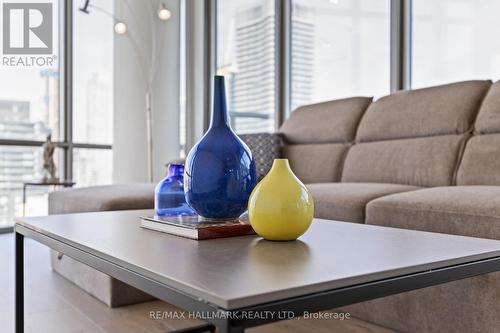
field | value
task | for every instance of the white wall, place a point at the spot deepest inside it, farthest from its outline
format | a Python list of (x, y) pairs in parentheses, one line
[(129, 136)]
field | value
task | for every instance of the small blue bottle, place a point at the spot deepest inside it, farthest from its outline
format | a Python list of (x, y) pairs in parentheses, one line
[(169, 193)]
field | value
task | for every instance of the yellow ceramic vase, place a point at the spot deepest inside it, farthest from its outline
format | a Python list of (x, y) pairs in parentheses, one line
[(280, 207)]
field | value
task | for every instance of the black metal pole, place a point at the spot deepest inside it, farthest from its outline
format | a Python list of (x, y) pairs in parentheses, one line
[(19, 283)]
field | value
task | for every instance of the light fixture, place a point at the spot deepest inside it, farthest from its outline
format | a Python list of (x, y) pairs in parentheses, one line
[(163, 13), (120, 28)]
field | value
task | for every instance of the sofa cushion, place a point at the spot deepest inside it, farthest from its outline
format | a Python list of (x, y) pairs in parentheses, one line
[(480, 161), (347, 201), (488, 118), (101, 198), (480, 164), (460, 210), (316, 163), (468, 305), (333, 121), (440, 110), (427, 161), (415, 137)]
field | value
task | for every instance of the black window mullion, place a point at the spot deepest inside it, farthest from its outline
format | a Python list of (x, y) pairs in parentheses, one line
[(400, 20), (283, 13), (66, 39)]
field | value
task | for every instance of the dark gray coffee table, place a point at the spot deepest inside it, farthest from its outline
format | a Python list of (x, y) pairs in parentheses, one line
[(242, 282)]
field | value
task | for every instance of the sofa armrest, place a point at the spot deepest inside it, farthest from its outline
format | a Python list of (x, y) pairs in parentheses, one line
[(102, 198), (265, 147)]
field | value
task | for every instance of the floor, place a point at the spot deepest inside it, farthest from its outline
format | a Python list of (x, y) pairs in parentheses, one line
[(55, 305)]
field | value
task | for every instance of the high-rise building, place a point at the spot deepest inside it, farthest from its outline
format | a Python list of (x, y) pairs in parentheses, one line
[(15, 120), (253, 85), (252, 93), (51, 102)]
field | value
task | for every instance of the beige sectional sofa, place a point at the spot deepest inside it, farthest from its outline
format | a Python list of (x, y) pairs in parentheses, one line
[(426, 159)]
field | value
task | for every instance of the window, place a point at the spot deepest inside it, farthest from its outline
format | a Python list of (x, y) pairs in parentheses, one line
[(246, 56), (455, 40), (339, 49), (29, 114), (93, 73), (32, 112), (93, 38)]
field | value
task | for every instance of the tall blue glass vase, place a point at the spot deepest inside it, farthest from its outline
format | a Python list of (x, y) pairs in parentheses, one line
[(220, 172)]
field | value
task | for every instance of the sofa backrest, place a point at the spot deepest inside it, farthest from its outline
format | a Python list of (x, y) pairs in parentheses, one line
[(317, 137), (415, 137), (480, 163)]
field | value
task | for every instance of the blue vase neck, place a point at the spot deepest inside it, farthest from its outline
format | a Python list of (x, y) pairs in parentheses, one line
[(220, 117), (175, 170)]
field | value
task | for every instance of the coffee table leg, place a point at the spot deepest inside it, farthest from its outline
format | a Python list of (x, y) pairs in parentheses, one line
[(203, 328), (19, 282), (228, 326), (218, 326)]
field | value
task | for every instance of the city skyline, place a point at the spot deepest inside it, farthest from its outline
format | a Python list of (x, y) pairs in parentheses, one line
[(18, 164), (328, 40), (248, 60)]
